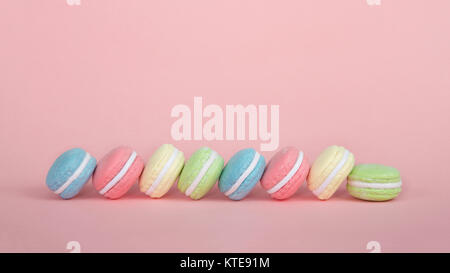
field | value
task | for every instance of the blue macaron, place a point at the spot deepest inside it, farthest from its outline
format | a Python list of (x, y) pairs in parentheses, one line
[(241, 173), (70, 172)]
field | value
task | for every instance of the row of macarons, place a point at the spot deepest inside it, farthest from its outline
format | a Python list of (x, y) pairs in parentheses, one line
[(122, 167)]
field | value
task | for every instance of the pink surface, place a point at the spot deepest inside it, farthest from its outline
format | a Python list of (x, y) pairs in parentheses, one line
[(110, 165), (374, 79), (279, 166)]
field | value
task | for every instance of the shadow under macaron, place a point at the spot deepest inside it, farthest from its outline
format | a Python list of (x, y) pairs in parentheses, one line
[(39, 192)]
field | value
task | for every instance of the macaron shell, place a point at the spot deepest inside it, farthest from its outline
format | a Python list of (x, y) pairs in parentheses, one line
[(279, 166), (209, 180), (250, 182), (323, 167), (235, 167), (110, 165), (127, 181), (338, 179), (373, 194), (63, 168), (374, 173), (76, 186), (193, 167), (155, 165), (169, 178), (294, 183)]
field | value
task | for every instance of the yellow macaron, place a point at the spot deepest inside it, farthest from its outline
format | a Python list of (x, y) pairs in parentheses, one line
[(329, 170), (161, 171)]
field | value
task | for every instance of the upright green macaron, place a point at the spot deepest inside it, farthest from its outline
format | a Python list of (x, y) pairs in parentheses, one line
[(200, 173), (374, 182)]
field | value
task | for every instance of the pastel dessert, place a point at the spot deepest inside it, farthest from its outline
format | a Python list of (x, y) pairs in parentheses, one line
[(285, 173), (200, 173), (70, 172), (329, 170), (241, 173), (373, 182), (161, 171), (117, 171)]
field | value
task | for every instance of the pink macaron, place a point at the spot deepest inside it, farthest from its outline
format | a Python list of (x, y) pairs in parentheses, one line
[(285, 173), (117, 171)]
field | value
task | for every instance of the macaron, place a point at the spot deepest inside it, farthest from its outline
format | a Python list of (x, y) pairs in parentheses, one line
[(200, 173), (242, 172), (161, 171), (70, 172), (329, 170), (285, 173), (374, 182), (117, 171)]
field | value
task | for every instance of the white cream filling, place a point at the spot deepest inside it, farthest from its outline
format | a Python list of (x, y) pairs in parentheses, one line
[(201, 174), (163, 172), (119, 176), (333, 174), (290, 174), (360, 184), (75, 175), (244, 175)]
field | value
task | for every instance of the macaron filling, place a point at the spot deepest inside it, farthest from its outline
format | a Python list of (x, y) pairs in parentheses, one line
[(290, 174), (244, 175), (75, 175), (361, 184), (332, 175), (202, 173), (163, 172), (120, 175)]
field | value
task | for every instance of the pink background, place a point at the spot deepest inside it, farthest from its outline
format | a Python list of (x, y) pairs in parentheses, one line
[(372, 78)]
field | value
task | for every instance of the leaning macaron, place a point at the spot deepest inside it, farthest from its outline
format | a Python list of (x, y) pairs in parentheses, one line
[(200, 173), (70, 172), (161, 171), (329, 170), (117, 171), (374, 182), (285, 173), (241, 173)]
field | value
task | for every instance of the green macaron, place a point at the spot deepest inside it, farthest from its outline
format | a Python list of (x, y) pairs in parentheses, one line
[(200, 173), (374, 182)]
